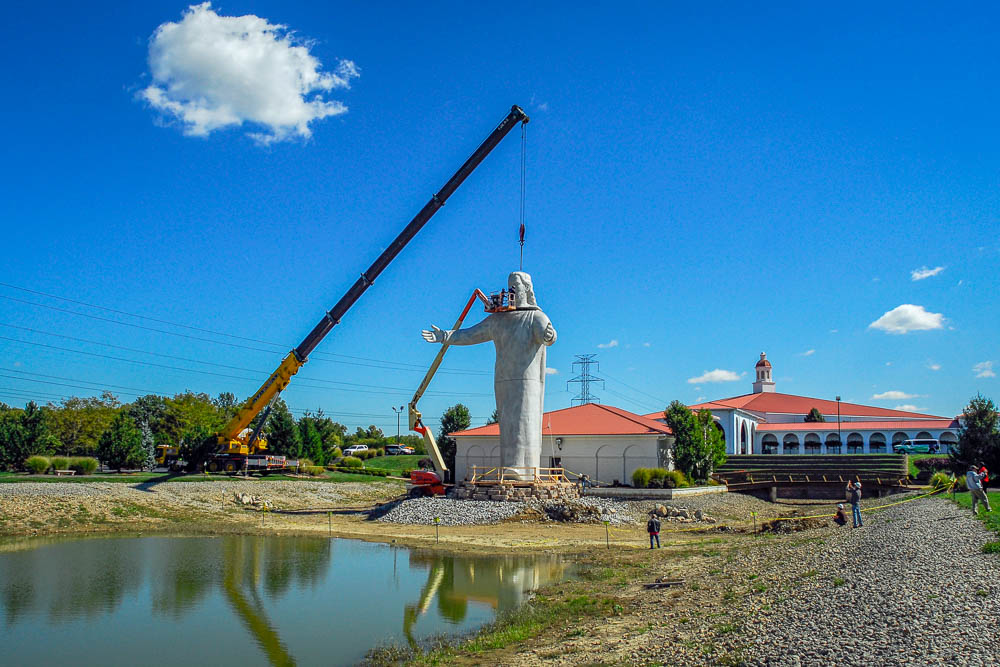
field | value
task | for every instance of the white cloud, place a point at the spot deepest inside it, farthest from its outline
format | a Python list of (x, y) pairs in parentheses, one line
[(834, 330), (906, 407), (699, 399), (924, 272), (211, 72), (612, 343), (984, 369), (906, 318), (934, 367), (807, 353), (647, 344), (551, 371), (718, 375), (894, 395)]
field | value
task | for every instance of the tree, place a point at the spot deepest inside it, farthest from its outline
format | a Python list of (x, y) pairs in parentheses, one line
[(978, 437), (79, 422), (495, 417), (120, 445), (11, 439), (312, 443), (195, 445), (283, 435), (148, 446), (455, 418), (815, 416), (151, 410), (189, 410), (698, 444), (226, 405)]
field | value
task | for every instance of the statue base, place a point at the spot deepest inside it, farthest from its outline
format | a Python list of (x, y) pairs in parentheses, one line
[(517, 491)]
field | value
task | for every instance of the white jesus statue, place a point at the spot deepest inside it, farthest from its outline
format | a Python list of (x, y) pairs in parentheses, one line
[(520, 337)]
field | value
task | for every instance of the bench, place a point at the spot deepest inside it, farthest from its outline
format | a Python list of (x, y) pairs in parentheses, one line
[(60, 473)]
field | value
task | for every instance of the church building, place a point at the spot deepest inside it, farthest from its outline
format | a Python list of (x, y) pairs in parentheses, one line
[(768, 422)]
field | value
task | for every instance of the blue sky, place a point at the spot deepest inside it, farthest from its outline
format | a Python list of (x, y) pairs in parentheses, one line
[(703, 183)]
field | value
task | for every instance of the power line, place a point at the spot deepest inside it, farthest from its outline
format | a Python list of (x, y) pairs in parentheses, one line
[(327, 356)]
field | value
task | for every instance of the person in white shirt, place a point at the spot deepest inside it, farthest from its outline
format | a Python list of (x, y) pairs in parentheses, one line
[(974, 480)]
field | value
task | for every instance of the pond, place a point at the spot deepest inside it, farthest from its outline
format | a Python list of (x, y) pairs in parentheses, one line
[(244, 600)]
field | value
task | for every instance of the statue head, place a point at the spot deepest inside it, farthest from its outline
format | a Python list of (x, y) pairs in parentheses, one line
[(519, 283)]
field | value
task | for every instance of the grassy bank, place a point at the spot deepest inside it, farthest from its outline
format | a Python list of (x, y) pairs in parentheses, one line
[(991, 519), (395, 464), (161, 477)]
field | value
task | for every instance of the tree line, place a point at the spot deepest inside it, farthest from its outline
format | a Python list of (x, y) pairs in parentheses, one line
[(125, 435)]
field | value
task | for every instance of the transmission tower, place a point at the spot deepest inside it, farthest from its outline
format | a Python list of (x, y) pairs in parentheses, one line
[(585, 361)]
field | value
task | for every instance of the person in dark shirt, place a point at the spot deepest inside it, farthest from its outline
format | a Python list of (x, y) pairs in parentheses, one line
[(653, 528), (841, 517)]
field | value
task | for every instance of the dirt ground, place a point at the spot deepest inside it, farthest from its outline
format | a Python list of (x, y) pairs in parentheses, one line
[(631, 625)]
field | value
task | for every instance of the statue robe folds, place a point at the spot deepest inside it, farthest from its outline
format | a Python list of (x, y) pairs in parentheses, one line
[(520, 338)]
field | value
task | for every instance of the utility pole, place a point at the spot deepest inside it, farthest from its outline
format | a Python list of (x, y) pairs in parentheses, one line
[(585, 361), (398, 412)]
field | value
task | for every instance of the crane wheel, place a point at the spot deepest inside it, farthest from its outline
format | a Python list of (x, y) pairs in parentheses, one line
[(417, 492), (213, 466)]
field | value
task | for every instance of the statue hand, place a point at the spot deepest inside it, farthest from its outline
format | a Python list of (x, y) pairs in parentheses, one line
[(435, 336), (550, 334)]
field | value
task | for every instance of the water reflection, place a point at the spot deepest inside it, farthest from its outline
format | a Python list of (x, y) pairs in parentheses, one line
[(247, 600)]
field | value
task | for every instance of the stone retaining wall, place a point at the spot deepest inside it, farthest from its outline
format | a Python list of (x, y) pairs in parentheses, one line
[(509, 492), (651, 494)]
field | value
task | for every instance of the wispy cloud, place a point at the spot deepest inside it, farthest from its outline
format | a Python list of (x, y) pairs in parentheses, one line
[(807, 353), (906, 318), (718, 375), (611, 343), (211, 72), (551, 371), (924, 272), (647, 344), (907, 407), (700, 399), (834, 330), (894, 395), (933, 366), (984, 369)]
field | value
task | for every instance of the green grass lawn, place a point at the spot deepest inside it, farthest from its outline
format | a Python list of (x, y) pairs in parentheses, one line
[(991, 519), (141, 477), (395, 464)]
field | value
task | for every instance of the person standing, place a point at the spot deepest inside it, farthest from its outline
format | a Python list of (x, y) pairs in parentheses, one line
[(974, 480), (854, 495), (653, 528)]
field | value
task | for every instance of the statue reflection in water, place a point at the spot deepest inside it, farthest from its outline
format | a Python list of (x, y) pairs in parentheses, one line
[(453, 582)]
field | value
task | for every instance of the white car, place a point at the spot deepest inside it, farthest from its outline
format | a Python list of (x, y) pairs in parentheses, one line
[(354, 449)]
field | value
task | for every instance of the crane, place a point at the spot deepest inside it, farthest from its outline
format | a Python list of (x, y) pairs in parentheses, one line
[(237, 447)]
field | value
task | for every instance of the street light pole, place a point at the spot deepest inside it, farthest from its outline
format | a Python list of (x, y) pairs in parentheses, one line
[(839, 441), (398, 412)]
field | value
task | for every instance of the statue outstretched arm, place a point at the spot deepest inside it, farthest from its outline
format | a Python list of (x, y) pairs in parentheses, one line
[(479, 333)]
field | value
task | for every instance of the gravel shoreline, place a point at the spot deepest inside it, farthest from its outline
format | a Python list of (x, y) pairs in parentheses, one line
[(911, 587)]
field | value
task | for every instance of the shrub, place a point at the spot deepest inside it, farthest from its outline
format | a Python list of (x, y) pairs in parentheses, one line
[(335, 453), (313, 471), (60, 463), (37, 465), (641, 477), (83, 465), (675, 479), (655, 484), (941, 480), (933, 463), (352, 462), (425, 464), (305, 463)]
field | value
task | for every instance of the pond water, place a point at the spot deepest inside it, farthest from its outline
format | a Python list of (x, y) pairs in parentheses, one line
[(243, 600)]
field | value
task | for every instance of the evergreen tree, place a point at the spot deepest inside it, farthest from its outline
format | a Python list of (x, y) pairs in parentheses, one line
[(121, 444), (12, 439), (978, 437), (495, 417), (148, 446), (312, 443), (455, 418), (283, 435), (815, 416)]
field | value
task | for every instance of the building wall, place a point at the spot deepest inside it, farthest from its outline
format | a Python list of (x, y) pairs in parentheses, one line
[(605, 458), (945, 436)]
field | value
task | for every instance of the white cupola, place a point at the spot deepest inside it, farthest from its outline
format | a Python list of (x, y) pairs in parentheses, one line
[(764, 382)]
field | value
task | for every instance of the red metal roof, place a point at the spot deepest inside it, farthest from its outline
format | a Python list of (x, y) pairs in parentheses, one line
[(801, 405), (846, 427), (587, 419)]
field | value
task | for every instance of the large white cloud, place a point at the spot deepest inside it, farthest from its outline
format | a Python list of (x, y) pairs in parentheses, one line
[(718, 375), (906, 318), (211, 72)]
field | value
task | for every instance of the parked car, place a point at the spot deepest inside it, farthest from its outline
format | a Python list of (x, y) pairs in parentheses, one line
[(408, 450), (393, 450), (917, 447), (354, 449)]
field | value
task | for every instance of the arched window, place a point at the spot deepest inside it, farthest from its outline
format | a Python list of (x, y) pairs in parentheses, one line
[(769, 444), (876, 443), (924, 435), (855, 444), (743, 439), (813, 444), (790, 444), (832, 443), (898, 438), (949, 442)]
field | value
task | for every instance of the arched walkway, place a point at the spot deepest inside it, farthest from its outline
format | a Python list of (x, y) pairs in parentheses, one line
[(833, 443), (813, 445), (790, 444), (769, 444), (855, 443), (876, 443)]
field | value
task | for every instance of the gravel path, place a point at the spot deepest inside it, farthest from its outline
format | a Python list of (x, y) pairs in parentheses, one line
[(911, 587)]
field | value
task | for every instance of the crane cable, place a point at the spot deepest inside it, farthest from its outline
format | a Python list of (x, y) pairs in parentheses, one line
[(524, 139)]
